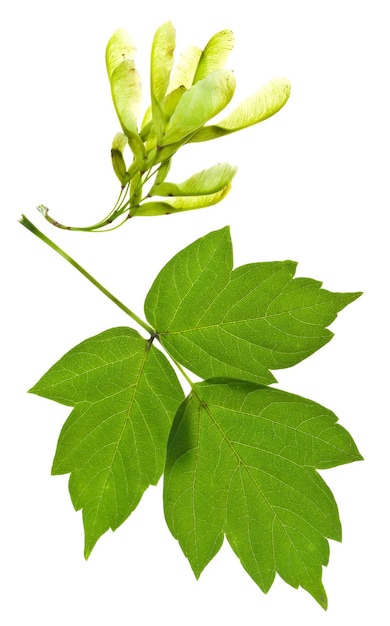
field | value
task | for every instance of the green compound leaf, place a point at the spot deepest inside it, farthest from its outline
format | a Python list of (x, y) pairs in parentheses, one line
[(205, 182), (257, 108), (125, 394), (238, 323), (199, 104), (242, 462)]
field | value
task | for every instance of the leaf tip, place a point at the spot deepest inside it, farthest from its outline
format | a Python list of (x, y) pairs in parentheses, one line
[(347, 298), (196, 569), (290, 265), (56, 470), (323, 600), (318, 593), (88, 547), (355, 295)]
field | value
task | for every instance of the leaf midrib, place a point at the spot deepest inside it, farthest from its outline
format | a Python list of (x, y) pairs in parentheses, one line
[(204, 269), (240, 321), (242, 463), (126, 421)]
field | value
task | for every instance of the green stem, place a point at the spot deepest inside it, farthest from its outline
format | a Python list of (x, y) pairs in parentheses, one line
[(30, 226), (117, 210), (181, 370)]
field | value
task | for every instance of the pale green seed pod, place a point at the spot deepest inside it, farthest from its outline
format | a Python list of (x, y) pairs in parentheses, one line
[(256, 108), (199, 104), (184, 203), (206, 182), (119, 48), (117, 155), (161, 64), (215, 54), (162, 173)]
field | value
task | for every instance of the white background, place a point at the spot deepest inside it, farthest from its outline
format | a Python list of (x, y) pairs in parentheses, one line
[(312, 186)]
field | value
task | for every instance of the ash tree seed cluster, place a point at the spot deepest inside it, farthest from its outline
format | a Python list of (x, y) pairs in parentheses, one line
[(183, 99)]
